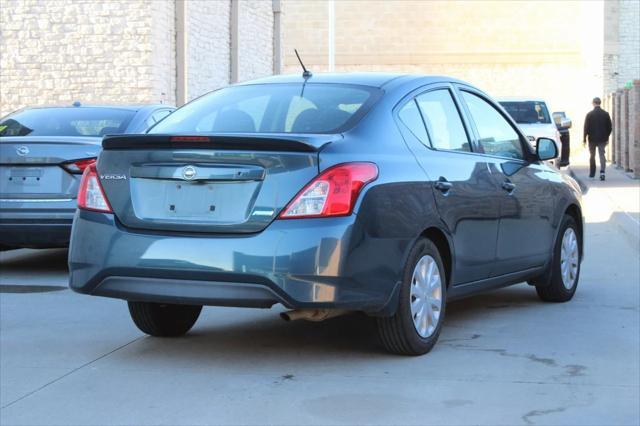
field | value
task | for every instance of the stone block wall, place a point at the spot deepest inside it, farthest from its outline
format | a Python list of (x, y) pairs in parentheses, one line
[(124, 51), (554, 53), (208, 45), (255, 44), (58, 52)]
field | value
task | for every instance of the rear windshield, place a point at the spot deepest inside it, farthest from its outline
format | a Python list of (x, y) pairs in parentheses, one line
[(272, 108), (529, 112), (73, 121)]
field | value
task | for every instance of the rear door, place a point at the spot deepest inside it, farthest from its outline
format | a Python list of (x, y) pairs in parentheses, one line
[(527, 201), (215, 184), (465, 193)]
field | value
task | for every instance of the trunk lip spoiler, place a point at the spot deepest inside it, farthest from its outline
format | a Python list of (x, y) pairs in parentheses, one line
[(223, 141)]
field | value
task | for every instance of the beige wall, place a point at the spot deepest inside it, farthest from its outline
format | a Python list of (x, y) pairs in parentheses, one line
[(56, 52), (255, 22), (621, 43), (124, 51), (208, 44), (533, 48)]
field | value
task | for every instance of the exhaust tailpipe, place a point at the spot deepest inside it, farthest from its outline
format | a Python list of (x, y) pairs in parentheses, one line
[(312, 314)]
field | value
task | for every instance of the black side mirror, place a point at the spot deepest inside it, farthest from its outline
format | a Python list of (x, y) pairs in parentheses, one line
[(546, 149)]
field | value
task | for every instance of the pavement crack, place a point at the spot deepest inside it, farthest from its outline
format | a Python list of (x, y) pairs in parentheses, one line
[(70, 373), (533, 413)]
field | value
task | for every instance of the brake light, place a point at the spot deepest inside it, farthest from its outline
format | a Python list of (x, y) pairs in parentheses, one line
[(189, 139), (332, 193), (91, 195), (77, 166)]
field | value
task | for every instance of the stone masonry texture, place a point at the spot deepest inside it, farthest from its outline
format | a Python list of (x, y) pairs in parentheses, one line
[(55, 52), (555, 51)]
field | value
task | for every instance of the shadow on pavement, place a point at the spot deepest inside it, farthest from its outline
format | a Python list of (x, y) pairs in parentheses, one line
[(31, 260), (250, 338)]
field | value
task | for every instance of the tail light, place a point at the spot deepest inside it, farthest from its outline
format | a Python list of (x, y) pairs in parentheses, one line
[(332, 193), (91, 195), (77, 166), (189, 139)]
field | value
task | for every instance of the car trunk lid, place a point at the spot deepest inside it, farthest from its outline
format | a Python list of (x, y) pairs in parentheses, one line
[(232, 183), (31, 167)]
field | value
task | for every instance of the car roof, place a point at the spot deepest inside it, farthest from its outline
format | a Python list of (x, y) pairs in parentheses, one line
[(129, 107), (519, 99), (373, 79)]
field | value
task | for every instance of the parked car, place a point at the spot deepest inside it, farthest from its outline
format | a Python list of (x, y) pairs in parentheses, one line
[(532, 115), (381, 193), (43, 152)]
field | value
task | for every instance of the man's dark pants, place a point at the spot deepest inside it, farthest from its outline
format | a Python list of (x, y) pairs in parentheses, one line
[(592, 157)]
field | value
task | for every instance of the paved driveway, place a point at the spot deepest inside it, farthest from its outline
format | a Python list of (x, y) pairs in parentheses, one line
[(503, 358)]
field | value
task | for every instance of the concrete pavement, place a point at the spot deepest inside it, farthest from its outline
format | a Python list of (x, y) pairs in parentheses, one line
[(616, 199), (503, 358)]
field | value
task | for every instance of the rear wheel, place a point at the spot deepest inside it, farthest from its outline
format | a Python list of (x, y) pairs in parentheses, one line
[(416, 325), (565, 270), (163, 319)]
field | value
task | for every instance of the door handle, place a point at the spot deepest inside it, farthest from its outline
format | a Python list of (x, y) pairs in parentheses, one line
[(443, 185), (508, 186)]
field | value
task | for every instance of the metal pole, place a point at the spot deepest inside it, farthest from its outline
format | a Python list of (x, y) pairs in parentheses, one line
[(181, 53), (277, 49), (234, 34), (332, 30)]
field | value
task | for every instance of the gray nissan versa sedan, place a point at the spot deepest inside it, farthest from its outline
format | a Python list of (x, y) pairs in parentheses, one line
[(384, 194), (43, 152)]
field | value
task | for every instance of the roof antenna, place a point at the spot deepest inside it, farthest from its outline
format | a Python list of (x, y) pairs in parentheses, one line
[(306, 73)]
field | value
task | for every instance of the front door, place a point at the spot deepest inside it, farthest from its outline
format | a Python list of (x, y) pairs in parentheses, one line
[(525, 234)]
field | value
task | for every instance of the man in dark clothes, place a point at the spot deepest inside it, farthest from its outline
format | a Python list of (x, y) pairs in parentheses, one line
[(597, 127)]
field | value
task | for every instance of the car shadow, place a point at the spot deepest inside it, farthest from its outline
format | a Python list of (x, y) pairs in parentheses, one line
[(256, 337), (31, 260)]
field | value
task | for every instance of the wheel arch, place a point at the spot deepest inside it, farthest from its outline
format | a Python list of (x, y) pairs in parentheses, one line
[(439, 238), (575, 212)]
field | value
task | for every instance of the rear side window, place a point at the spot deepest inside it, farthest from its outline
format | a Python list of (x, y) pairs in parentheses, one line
[(75, 121), (497, 137), (273, 108), (410, 116), (443, 121)]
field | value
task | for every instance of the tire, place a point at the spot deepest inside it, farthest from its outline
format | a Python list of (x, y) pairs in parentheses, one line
[(398, 333), (556, 289), (163, 319)]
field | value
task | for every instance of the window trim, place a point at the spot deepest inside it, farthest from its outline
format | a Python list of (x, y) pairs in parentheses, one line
[(528, 155), (426, 131), (413, 95)]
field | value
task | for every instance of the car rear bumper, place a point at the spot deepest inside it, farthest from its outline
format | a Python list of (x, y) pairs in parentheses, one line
[(306, 263), (36, 223)]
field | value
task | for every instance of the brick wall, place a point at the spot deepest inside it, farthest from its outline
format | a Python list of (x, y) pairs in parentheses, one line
[(163, 50), (255, 23), (57, 52), (208, 41), (622, 43), (629, 59), (553, 52), (123, 51)]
